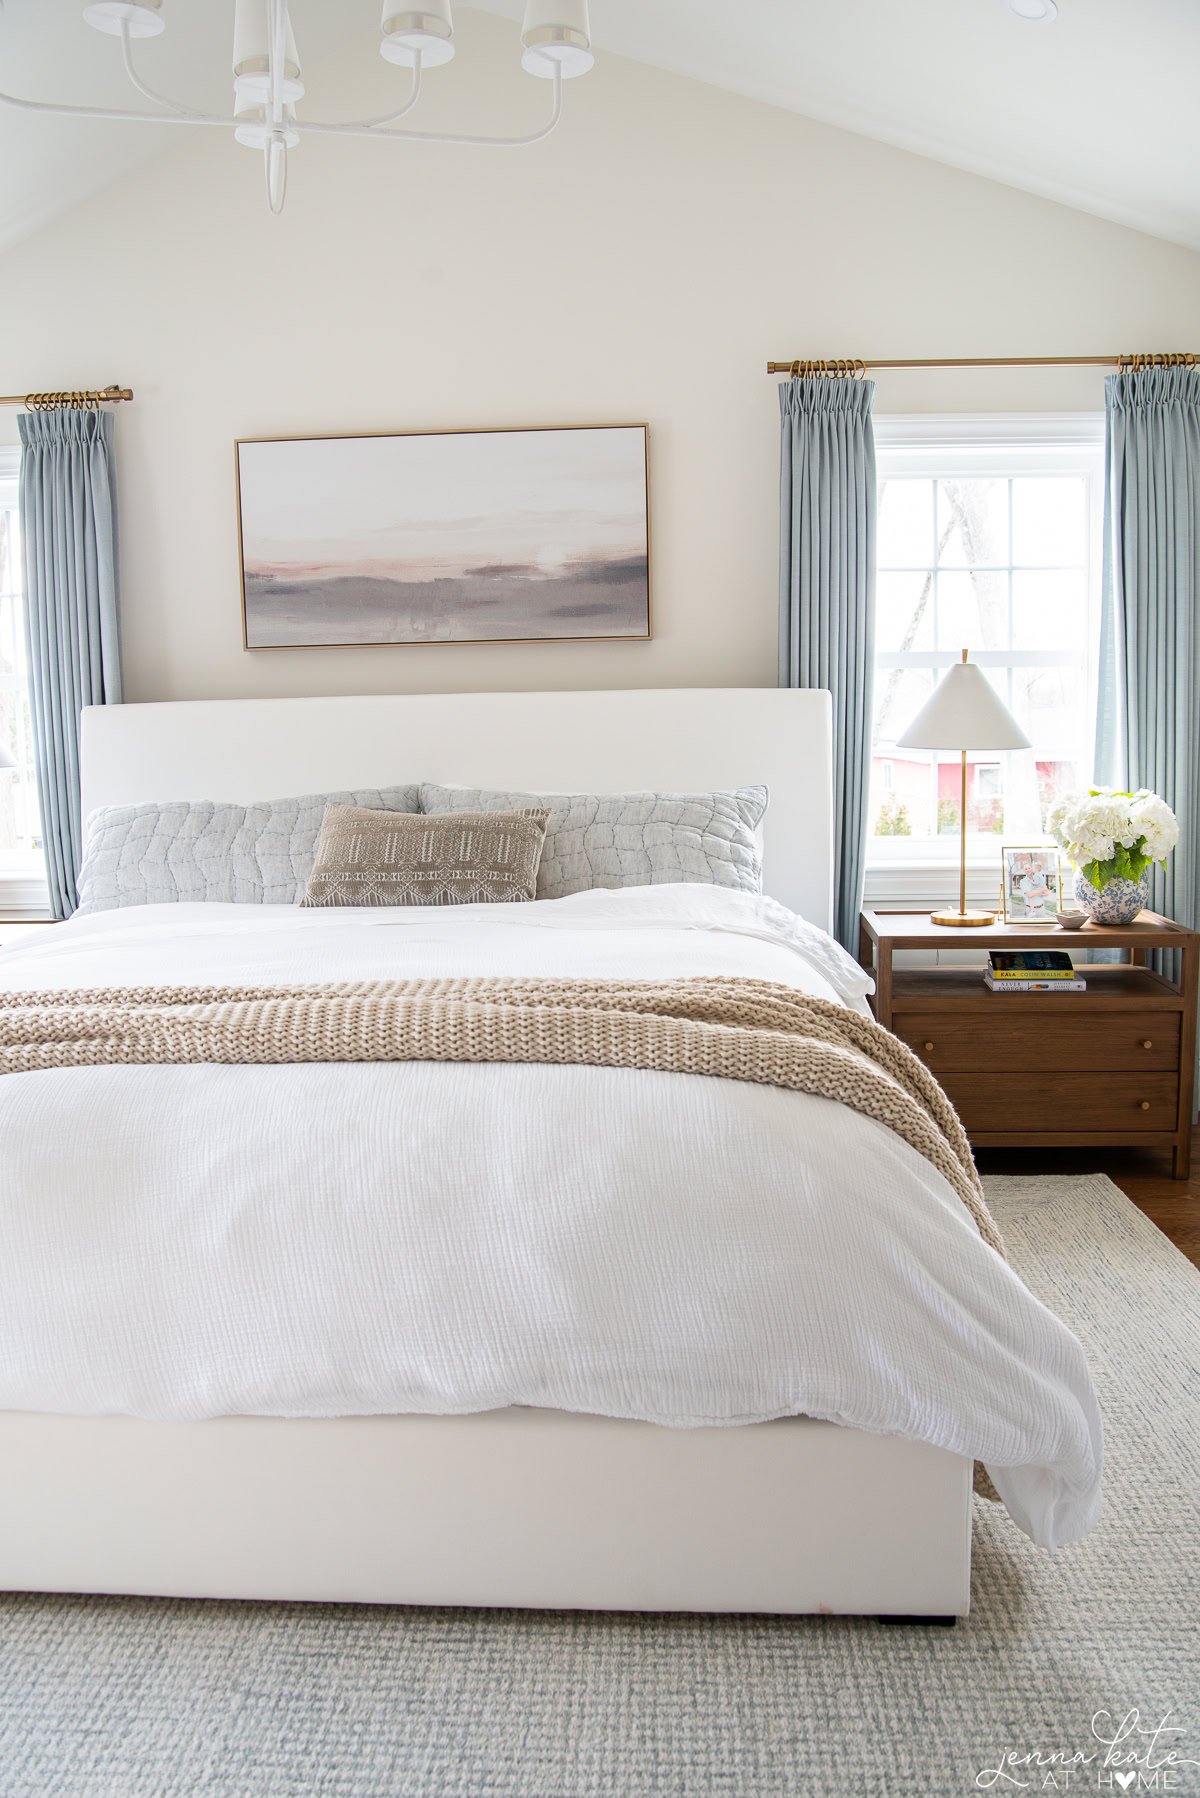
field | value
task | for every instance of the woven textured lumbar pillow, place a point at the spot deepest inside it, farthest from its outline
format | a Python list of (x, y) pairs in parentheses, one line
[(386, 858), (631, 839)]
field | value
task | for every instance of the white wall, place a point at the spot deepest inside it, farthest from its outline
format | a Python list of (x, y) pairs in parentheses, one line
[(641, 265)]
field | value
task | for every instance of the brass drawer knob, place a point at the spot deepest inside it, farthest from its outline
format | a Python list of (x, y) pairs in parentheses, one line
[(1145, 1104), (928, 1048), (1147, 1043)]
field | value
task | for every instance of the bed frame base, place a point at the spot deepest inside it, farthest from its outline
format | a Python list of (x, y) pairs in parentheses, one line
[(927, 1622), (517, 1507)]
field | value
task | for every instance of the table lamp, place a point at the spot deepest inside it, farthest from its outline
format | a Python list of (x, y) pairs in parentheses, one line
[(963, 713)]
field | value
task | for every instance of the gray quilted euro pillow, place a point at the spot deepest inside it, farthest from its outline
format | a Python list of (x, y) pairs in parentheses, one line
[(196, 849), (631, 839)]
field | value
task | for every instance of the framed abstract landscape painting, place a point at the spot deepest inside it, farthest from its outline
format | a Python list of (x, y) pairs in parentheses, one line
[(518, 536)]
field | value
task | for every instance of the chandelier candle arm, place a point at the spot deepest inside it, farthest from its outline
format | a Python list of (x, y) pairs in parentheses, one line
[(112, 115), (148, 93), (446, 137), (390, 118)]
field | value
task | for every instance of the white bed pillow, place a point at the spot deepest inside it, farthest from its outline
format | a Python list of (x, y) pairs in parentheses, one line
[(631, 839), (198, 849)]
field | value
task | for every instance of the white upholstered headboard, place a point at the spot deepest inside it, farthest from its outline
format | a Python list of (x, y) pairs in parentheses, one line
[(683, 739)]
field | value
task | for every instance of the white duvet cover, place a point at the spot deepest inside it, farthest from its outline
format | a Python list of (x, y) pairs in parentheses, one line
[(321, 1240)]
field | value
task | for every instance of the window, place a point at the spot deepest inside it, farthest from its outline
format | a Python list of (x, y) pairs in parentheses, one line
[(22, 870), (989, 541)]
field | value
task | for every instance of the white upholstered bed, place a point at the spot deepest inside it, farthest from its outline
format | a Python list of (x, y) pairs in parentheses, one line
[(525, 1503)]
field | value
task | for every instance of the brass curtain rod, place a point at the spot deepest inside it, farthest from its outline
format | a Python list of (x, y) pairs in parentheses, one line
[(855, 365), (51, 402)]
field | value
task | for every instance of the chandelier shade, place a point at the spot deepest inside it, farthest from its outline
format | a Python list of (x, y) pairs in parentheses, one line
[(252, 56), (253, 129), (140, 18), (557, 38), (425, 33)]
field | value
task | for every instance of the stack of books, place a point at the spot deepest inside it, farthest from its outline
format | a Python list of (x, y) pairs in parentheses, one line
[(1032, 971)]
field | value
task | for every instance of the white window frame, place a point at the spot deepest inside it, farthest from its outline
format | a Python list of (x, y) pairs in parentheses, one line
[(24, 892), (981, 444)]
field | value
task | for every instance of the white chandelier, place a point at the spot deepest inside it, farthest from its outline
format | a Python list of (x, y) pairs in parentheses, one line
[(267, 83)]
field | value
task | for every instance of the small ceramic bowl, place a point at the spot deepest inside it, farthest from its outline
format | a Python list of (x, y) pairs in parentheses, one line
[(1072, 920)]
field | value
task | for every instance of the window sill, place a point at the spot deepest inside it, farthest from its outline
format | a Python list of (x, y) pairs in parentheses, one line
[(24, 897), (918, 884)]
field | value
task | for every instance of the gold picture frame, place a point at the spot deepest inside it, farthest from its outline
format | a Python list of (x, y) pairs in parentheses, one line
[(289, 604), (1030, 894)]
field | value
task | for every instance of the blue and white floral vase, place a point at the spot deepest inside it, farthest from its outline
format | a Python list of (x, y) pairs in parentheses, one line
[(1113, 839), (1116, 902)]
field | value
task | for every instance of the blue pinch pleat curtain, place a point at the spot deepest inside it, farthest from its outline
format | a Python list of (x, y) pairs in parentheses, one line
[(69, 541), (827, 508), (1148, 717)]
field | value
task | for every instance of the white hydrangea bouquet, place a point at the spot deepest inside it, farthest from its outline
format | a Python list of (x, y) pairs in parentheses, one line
[(1113, 838)]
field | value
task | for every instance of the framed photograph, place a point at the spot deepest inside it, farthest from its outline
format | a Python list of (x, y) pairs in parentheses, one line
[(522, 536), (1032, 883)]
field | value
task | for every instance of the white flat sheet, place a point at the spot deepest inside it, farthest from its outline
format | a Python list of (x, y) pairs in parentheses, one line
[(321, 1240)]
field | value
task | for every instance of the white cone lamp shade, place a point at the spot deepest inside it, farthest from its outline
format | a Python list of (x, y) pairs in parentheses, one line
[(557, 36), (141, 18), (7, 760), (964, 713), (426, 31), (252, 58)]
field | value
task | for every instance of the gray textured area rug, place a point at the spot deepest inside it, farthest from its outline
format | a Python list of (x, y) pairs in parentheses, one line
[(132, 1698)]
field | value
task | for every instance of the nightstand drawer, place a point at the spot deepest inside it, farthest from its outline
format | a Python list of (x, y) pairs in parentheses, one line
[(1025, 1103), (985, 1043)]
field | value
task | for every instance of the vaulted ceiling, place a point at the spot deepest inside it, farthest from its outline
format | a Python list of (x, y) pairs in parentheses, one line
[(1097, 109)]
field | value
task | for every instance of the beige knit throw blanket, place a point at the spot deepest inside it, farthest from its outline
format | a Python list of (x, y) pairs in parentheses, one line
[(733, 1029)]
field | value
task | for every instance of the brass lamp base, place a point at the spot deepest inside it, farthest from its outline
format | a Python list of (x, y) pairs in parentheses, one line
[(963, 920)]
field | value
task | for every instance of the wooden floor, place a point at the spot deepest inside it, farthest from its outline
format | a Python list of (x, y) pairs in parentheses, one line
[(1174, 1205)]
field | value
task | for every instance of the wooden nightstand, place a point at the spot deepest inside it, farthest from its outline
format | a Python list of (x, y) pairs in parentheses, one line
[(1114, 1064)]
